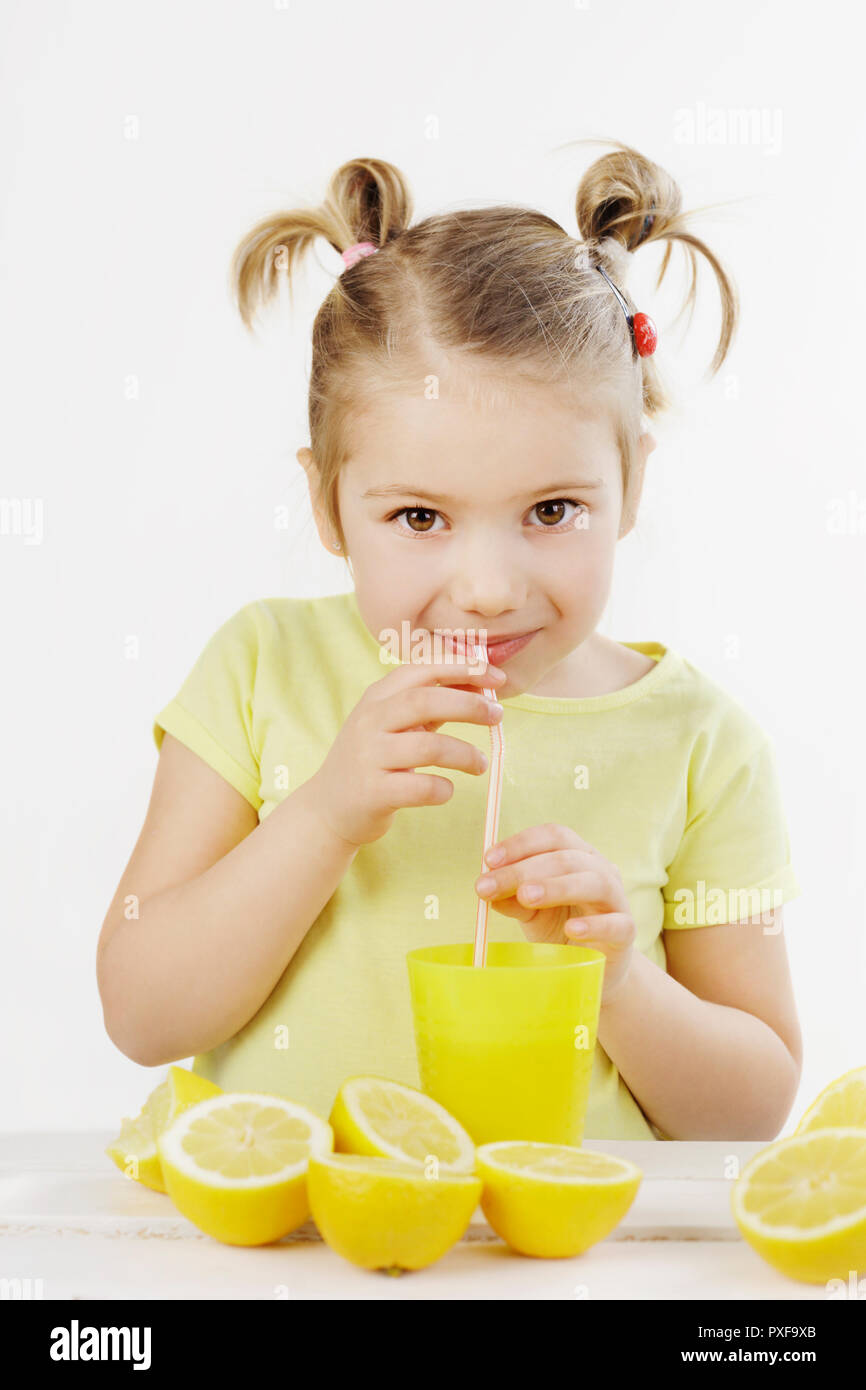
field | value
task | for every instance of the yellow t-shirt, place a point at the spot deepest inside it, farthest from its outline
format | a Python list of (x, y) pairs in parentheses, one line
[(670, 778)]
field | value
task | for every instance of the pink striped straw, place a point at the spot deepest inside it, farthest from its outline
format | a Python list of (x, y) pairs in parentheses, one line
[(491, 822)]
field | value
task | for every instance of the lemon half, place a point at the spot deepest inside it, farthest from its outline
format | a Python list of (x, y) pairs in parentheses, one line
[(843, 1102), (553, 1200), (385, 1213), (801, 1203), (236, 1165), (386, 1119), (134, 1150)]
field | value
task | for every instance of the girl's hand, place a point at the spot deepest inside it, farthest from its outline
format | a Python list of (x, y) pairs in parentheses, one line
[(582, 899), (367, 775)]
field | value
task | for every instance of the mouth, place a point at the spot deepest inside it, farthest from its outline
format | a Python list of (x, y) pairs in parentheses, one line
[(500, 648)]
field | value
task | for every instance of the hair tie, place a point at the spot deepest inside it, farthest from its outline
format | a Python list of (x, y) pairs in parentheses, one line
[(358, 251)]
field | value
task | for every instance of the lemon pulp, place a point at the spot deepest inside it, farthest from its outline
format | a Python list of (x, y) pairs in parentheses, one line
[(386, 1119), (801, 1203), (236, 1165), (843, 1102), (135, 1148), (553, 1200)]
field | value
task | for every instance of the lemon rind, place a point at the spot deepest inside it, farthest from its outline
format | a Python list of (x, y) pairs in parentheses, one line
[(171, 1150)]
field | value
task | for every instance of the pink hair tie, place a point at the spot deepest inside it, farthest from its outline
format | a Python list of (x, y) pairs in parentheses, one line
[(356, 252)]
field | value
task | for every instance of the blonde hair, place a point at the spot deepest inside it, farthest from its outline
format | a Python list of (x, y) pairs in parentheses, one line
[(502, 287)]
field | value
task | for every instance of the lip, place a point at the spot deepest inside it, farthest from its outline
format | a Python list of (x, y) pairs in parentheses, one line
[(500, 648), (508, 647)]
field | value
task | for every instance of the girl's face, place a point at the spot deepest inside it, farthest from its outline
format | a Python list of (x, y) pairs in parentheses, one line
[(463, 514)]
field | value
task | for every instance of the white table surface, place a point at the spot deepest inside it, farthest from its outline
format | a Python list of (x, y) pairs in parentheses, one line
[(70, 1218)]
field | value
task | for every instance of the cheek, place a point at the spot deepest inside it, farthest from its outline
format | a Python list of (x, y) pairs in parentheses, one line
[(580, 578), (400, 568), (586, 554), (390, 583)]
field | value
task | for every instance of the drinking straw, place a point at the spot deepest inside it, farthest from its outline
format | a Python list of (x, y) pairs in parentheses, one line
[(491, 822)]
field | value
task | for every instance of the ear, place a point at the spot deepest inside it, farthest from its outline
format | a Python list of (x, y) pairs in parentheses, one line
[(308, 463), (646, 444)]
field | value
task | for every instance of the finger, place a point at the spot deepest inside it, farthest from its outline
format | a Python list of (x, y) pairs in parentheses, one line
[(585, 888), (445, 672), (537, 838), (539, 867), (607, 928), (415, 789), (588, 890), (426, 749), (510, 907), (479, 672), (426, 707)]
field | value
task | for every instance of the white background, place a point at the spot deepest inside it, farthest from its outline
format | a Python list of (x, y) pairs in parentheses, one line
[(138, 143)]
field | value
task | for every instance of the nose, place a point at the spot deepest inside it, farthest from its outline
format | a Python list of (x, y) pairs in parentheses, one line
[(486, 580)]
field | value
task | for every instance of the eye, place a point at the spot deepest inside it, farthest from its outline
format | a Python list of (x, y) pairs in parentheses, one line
[(560, 502), (417, 512), (420, 519)]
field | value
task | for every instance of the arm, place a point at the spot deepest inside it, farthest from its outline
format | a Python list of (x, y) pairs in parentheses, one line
[(223, 903), (712, 1049)]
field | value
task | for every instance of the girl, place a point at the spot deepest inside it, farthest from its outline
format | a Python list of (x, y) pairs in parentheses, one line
[(477, 450)]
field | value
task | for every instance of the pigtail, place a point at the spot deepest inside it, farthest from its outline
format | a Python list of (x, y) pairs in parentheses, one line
[(366, 200), (370, 199), (626, 198)]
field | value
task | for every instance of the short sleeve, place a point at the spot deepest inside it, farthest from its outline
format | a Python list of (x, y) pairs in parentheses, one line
[(733, 861), (212, 713)]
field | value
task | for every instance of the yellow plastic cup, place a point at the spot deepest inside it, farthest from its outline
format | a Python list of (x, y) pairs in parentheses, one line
[(507, 1047)]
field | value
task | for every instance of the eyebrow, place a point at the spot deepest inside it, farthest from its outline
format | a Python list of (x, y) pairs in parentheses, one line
[(402, 489)]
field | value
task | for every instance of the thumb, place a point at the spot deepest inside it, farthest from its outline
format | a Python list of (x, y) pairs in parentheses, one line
[(512, 907)]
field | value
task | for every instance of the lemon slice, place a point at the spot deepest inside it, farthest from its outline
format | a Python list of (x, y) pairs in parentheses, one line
[(236, 1165), (843, 1102), (386, 1119), (385, 1213), (134, 1150), (553, 1200), (801, 1203)]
